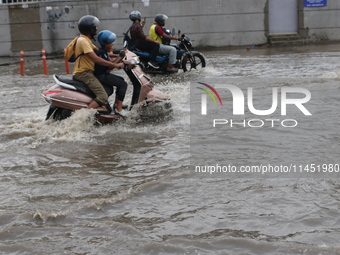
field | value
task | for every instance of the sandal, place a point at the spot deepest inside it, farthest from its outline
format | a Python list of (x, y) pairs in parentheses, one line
[(173, 70)]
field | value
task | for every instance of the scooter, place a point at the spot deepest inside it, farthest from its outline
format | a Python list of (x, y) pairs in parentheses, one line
[(186, 59), (68, 95)]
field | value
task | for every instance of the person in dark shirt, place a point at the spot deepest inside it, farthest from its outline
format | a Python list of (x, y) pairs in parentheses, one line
[(106, 39), (142, 41)]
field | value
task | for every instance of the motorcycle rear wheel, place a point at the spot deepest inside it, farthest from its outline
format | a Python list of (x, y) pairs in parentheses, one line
[(61, 114), (196, 60)]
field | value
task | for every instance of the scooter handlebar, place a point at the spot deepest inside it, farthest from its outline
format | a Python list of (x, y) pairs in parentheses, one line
[(129, 64)]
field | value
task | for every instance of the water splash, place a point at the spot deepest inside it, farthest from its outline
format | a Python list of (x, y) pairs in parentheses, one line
[(31, 130)]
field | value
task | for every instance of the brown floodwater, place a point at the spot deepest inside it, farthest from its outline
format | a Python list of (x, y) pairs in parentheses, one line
[(71, 187)]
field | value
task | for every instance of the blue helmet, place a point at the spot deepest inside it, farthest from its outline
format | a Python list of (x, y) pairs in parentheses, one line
[(106, 37)]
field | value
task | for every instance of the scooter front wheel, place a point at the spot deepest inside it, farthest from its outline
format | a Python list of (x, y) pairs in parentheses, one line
[(194, 60)]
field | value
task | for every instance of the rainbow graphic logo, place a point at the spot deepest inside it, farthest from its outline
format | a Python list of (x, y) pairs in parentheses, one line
[(204, 97)]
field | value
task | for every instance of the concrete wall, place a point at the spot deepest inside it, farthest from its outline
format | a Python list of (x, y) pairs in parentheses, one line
[(25, 28), (5, 33), (323, 23), (208, 23)]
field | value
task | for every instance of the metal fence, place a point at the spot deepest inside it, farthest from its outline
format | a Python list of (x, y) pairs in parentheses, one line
[(10, 2)]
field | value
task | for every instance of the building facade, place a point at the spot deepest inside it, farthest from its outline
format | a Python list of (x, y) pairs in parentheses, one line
[(32, 25)]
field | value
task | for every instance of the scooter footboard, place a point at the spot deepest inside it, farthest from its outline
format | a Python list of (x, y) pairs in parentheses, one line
[(157, 94), (145, 84), (142, 77)]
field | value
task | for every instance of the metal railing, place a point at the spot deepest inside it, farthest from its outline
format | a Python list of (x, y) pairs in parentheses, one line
[(10, 2)]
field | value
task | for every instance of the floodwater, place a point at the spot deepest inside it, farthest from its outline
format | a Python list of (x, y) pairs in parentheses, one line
[(72, 187)]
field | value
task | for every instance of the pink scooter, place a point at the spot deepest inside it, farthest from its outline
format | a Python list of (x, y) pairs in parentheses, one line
[(68, 95)]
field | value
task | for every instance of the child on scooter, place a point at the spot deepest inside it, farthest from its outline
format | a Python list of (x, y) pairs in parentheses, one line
[(106, 39)]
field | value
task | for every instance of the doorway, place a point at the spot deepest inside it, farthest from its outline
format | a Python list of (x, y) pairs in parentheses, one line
[(283, 16)]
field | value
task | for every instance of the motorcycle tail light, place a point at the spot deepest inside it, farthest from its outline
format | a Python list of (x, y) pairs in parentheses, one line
[(51, 92)]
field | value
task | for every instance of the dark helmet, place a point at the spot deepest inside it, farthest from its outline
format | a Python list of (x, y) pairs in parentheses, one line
[(106, 37), (88, 25), (160, 19), (135, 15)]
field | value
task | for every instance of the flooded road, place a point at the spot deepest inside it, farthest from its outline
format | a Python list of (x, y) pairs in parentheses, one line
[(71, 187)]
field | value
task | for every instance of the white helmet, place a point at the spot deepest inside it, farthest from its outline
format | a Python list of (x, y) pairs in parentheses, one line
[(135, 15)]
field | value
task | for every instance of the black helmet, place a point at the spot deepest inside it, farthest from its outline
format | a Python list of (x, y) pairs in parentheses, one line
[(88, 25), (160, 19), (135, 15)]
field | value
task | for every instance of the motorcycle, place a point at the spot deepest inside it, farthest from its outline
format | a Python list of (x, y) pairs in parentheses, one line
[(68, 95), (185, 60)]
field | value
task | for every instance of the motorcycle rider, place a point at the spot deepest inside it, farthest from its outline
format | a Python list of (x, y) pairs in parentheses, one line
[(142, 41), (157, 33), (106, 39), (84, 66)]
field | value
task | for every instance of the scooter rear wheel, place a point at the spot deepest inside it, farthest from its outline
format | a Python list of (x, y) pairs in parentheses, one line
[(196, 60), (50, 111), (61, 114)]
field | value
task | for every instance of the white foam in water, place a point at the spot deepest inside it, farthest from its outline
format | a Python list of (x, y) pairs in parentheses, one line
[(32, 129), (210, 70), (330, 75)]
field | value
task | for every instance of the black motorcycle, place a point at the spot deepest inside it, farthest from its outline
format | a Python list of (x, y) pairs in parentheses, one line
[(186, 59)]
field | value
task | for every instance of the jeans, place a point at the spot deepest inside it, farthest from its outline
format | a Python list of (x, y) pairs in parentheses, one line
[(169, 50), (151, 47), (114, 80)]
